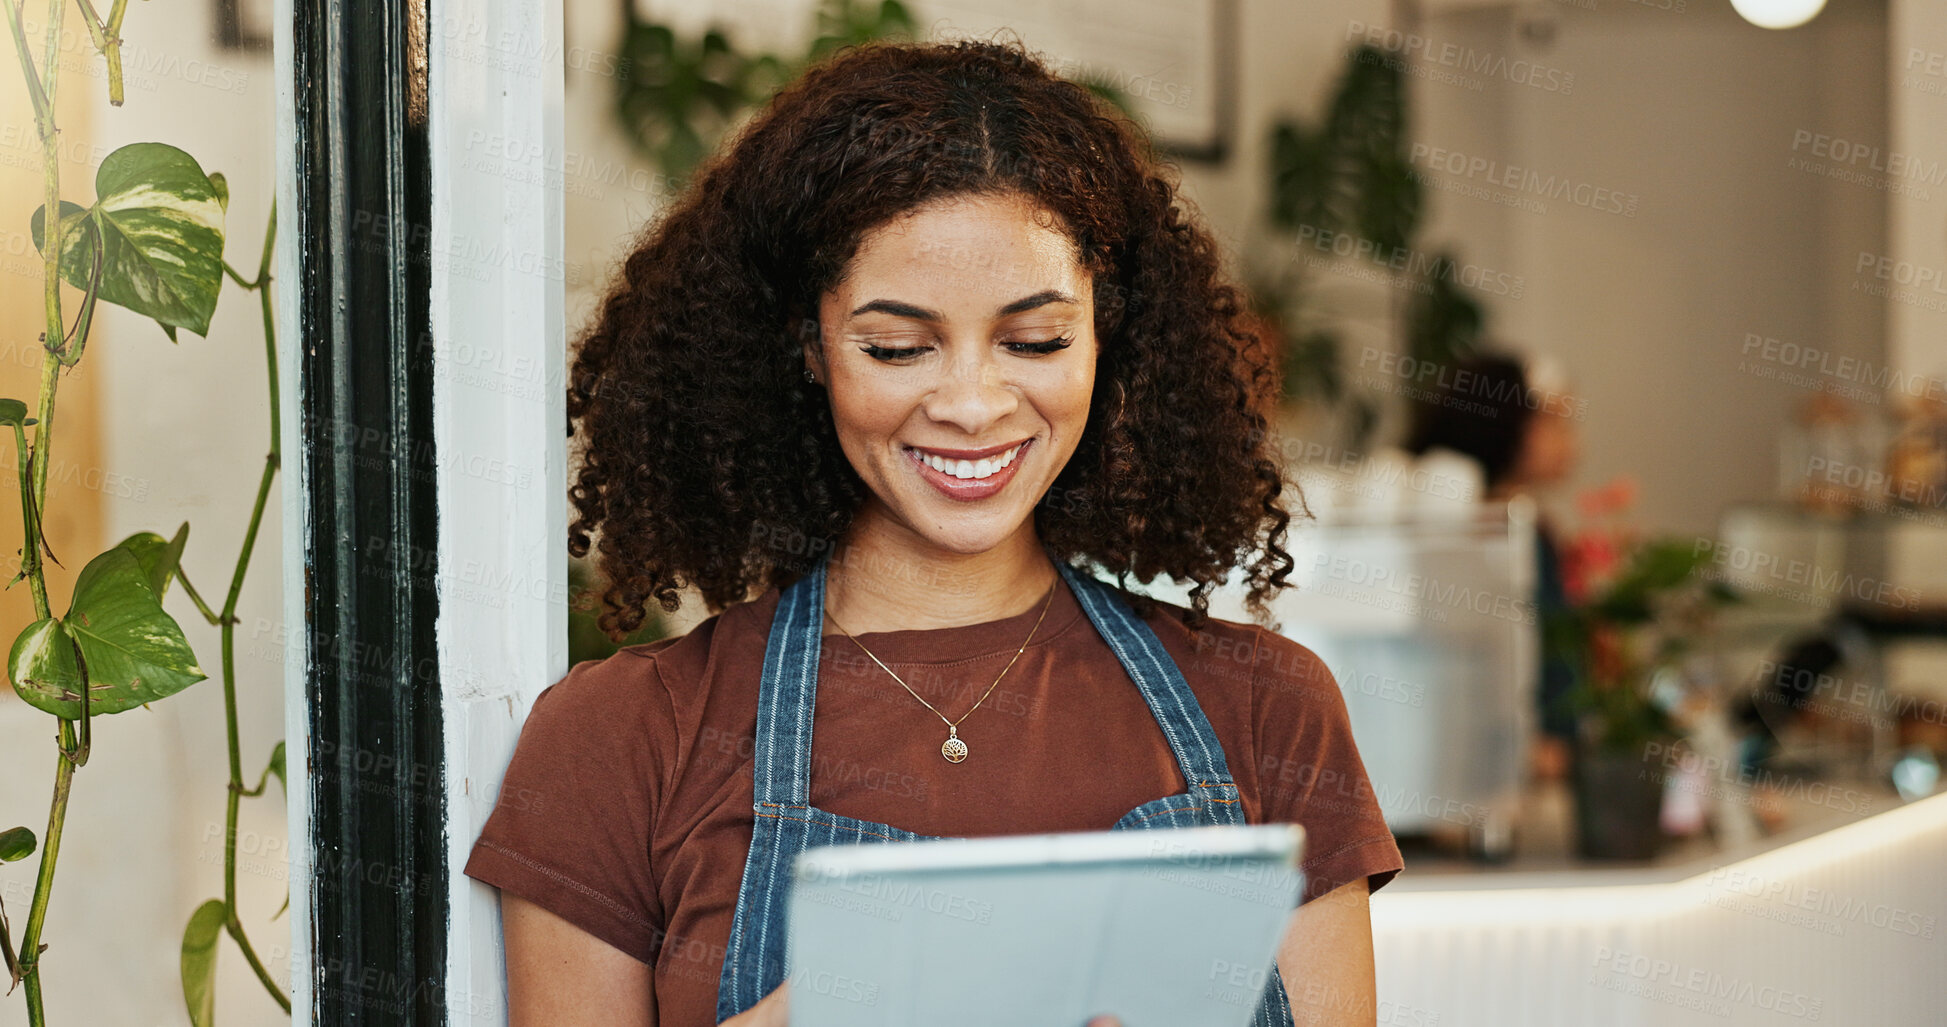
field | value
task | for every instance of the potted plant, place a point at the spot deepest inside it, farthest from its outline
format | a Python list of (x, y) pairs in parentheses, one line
[(1636, 608)]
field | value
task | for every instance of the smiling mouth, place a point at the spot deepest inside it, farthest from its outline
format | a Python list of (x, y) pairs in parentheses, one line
[(969, 470)]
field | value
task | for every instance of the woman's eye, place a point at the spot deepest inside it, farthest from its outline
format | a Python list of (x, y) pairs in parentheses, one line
[(892, 352), (903, 353), (1049, 346)]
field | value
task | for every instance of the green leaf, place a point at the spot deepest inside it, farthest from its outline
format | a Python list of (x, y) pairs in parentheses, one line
[(16, 844), (13, 411), (74, 218), (161, 224), (135, 651), (285, 906), (199, 961), (43, 670), (158, 556), (222, 187), (276, 767)]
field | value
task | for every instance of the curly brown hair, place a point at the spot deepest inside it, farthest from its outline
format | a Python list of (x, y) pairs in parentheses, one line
[(709, 461)]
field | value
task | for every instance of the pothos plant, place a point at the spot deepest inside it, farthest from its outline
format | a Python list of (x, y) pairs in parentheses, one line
[(151, 241)]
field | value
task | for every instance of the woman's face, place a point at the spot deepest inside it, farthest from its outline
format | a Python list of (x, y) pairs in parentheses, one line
[(1549, 448), (959, 356)]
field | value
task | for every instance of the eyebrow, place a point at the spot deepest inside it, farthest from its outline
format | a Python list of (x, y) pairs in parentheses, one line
[(898, 309)]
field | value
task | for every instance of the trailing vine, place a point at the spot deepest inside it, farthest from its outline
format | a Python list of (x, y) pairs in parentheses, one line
[(152, 242)]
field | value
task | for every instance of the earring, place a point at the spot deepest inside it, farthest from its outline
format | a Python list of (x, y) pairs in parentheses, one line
[(808, 376)]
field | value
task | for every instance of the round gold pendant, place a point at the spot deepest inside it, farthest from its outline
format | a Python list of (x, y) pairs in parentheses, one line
[(954, 750)]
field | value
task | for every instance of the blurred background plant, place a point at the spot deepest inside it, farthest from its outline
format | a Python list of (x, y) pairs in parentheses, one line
[(586, 640), (1344, 199), (680, 95), (1637, 607)]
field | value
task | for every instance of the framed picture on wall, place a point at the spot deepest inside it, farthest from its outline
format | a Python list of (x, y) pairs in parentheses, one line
[(1172, 61)]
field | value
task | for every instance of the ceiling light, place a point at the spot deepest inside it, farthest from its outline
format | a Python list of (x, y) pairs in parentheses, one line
[(1778, 14)]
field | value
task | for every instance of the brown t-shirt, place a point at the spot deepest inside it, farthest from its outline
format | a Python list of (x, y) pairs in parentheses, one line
[(627, 806)]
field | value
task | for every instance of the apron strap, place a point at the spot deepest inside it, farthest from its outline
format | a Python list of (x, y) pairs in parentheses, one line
[(1170, 699), (782, 763)]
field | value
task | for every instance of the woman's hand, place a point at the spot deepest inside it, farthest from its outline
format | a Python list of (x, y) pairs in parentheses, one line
[(773, 1011)]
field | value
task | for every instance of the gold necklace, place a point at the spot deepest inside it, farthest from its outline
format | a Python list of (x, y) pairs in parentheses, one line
[(953, 748)]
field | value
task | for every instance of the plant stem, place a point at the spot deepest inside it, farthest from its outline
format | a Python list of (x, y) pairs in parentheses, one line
[(208, 614), (30, 943), (50, 223), (228, 622), (108, 42), (70, 755), (43, 111), (70, 351)]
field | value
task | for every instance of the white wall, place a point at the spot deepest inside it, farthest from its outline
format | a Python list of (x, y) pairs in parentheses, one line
[(1916, 77), (1694, 114)]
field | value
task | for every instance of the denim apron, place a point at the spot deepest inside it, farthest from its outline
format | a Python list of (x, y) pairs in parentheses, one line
[(787, 824)]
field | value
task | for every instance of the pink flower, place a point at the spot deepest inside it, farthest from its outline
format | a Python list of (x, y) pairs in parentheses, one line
[(1614, 497)]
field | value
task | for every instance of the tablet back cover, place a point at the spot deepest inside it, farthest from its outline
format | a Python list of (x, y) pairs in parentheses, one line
[(1165, 928)]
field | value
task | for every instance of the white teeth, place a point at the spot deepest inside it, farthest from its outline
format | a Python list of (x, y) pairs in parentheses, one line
[(965, 469)]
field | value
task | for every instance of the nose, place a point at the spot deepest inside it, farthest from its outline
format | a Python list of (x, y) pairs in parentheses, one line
[(971, 395)]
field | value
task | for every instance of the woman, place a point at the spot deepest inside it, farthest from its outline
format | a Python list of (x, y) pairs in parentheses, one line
[(928, 331), (1517, 420)]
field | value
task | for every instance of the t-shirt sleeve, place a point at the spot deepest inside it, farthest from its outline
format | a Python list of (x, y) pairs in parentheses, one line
[(572, 826), (1309, 771)]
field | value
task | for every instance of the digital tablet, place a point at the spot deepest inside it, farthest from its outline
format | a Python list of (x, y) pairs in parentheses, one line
[(1174, 927)]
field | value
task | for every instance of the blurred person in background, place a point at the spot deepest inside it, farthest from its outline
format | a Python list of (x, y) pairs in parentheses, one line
[(1515, 418)]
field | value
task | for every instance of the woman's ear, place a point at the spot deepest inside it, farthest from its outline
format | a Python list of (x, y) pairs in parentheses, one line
[(811, 339)]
